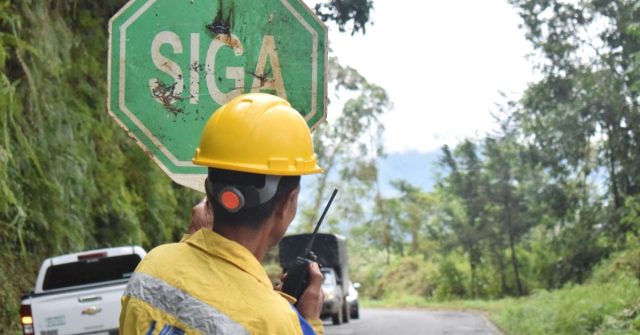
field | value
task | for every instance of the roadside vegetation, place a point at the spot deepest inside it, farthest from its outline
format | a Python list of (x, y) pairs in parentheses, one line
[(536, 223), (70, 178), (607, 303)]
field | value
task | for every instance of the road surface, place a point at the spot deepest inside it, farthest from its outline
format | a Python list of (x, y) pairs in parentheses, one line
[(385, 321)]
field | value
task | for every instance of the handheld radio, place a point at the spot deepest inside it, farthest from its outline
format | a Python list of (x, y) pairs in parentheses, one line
[(297, 278)]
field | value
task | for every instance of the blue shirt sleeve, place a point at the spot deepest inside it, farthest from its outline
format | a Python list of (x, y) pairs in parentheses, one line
[(306, 327)]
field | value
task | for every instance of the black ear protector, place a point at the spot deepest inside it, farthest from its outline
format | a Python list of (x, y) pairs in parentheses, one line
[(234, 197)]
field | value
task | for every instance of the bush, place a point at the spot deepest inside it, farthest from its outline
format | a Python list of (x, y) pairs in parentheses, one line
[(624, 262), (593, 308), (367, 266), (408, 276), (450, 281)]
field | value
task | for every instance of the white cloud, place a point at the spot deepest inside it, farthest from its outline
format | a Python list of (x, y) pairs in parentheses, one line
[(442, 63)]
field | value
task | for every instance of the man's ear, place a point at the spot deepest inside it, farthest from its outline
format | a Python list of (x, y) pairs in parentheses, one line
[(288, 203)]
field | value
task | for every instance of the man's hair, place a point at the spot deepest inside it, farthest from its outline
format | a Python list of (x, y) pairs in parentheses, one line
[(252, 217)]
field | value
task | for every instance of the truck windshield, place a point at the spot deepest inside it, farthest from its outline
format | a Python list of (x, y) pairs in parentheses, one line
[(90, 271), (329, 278)]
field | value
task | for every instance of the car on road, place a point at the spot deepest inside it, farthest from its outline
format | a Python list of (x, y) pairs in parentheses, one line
[(352, 300), (334, 305)]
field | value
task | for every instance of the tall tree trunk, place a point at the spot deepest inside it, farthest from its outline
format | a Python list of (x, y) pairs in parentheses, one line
[(617, 200), (512, 238), (496, 249), (415, 236), (386, 234), (473, 266), (514, 262)]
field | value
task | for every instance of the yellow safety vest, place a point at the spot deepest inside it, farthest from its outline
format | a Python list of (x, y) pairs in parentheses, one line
[(206, 284)]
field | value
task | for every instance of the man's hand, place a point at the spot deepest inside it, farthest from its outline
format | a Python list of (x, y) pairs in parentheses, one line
[(310, 304), (200, 217)]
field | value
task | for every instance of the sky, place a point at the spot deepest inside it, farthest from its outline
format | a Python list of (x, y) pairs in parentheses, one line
[(443, 64)]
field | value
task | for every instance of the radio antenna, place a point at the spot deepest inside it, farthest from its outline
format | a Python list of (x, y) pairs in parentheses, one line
[(313, 235)]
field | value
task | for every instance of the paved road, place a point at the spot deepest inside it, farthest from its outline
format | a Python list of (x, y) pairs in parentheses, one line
[(385, 321)]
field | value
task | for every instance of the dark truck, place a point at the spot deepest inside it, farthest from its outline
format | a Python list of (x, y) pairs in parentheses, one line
[(331, 251)]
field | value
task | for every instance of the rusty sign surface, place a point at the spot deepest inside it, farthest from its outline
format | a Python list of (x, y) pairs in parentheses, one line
[(172, 63)]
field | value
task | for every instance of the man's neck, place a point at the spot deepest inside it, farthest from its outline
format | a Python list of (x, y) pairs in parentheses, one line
[(257, 241)]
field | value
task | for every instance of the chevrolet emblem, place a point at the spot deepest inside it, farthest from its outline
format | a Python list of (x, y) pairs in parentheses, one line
[(91, 311)]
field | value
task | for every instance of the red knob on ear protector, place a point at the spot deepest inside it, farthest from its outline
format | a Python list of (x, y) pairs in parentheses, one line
[(231, 199)]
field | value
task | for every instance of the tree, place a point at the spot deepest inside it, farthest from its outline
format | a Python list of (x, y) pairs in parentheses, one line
[(348, 148), (501, 156), (464, 185), (584, 115), (415, 213), (344, 11)]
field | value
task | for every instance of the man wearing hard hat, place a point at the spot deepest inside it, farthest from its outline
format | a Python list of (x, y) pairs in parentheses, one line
[(256, 147)]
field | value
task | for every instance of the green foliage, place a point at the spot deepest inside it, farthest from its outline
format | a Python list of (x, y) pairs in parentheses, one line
[(626, 262), (451, 281), (534, 207), (345, 11), (584, 115), (609, 308), (408, 276), (348, 148), (465, 183), (630, 216), (608, 303), (527, 206), (70, 178), (366, 266)]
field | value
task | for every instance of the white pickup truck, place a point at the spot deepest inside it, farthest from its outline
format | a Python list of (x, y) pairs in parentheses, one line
[(79, 293)]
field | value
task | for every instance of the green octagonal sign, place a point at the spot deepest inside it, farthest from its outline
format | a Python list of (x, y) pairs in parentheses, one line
[(172, 63)]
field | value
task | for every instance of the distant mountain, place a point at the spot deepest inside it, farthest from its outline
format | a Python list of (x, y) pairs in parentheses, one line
[(417, 168)]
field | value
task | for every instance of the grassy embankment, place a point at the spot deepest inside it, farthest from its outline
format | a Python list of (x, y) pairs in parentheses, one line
[(608, 303)]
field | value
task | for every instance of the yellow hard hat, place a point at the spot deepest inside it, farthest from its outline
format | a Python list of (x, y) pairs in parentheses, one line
[(258, 133)]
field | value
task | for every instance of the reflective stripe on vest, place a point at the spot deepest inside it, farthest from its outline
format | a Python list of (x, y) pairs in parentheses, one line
[(182, 306)]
